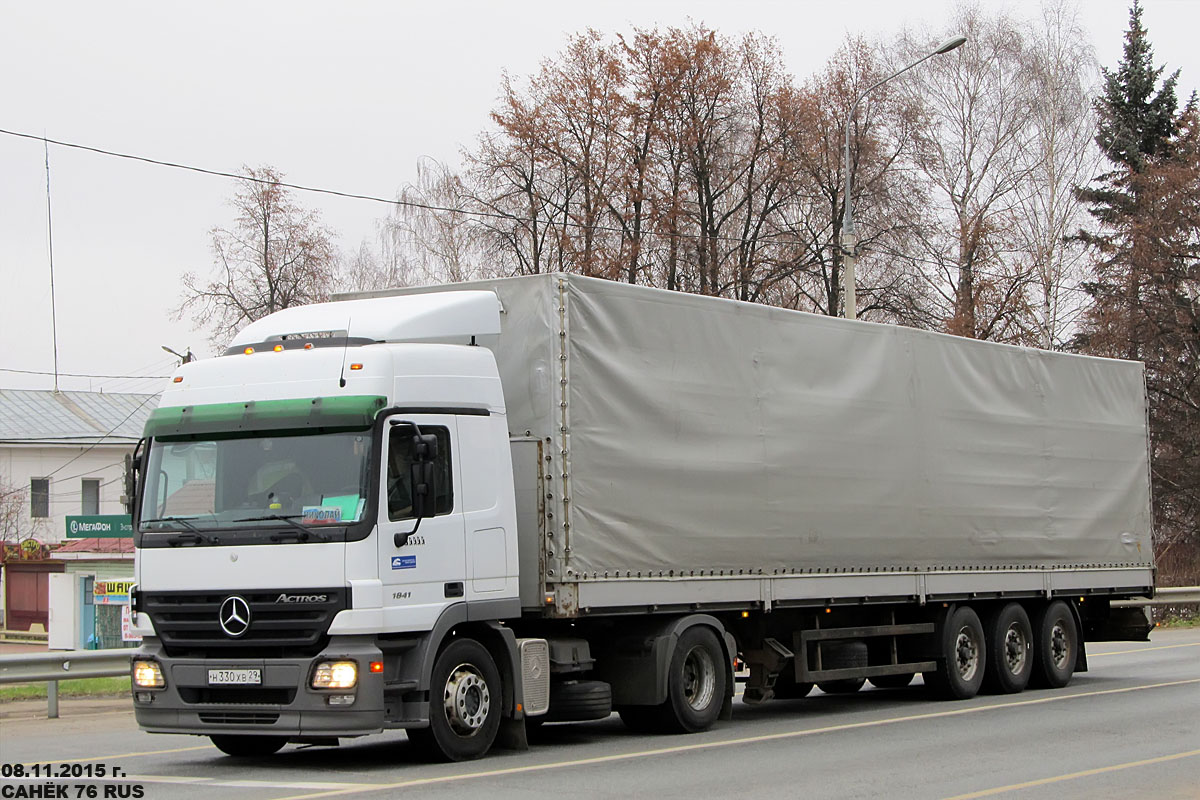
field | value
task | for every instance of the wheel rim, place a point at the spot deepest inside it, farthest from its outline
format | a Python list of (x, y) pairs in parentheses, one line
[(1016, 649), (467, 700), (699, 678), (1060, 646), (966, 653)]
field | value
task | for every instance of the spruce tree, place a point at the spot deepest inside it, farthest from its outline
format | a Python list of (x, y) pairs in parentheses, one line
[(1135, 121), (1147, 277)]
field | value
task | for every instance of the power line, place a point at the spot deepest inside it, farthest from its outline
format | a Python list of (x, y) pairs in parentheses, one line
[(80, 374), (102, 438), (372, 198)]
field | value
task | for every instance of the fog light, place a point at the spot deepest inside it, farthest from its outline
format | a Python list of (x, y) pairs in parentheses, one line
[(335, 675), (340, 699), (144, 697), (147, 675)]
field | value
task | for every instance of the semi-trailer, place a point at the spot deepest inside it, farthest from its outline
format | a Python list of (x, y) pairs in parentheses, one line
[(467, 509)]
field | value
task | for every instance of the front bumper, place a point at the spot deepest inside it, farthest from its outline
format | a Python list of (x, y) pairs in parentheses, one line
[(283, 705)]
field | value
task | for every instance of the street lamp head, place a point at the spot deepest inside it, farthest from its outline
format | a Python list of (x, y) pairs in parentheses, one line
[(950, 44)]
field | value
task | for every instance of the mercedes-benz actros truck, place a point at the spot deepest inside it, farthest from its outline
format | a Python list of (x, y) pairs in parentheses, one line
[(466, 510)]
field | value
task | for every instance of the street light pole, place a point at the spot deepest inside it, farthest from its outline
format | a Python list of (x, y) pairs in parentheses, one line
[(849, 235)]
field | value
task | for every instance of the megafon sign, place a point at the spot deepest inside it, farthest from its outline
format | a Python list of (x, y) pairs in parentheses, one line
[(104, 526)]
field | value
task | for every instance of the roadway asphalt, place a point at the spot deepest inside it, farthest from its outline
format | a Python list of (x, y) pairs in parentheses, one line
[(1129, 727)]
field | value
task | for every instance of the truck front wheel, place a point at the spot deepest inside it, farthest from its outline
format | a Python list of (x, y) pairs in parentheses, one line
[(464, 704)]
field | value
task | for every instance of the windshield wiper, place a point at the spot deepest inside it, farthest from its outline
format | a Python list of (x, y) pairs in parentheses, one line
[(193, 536), (302, 532)]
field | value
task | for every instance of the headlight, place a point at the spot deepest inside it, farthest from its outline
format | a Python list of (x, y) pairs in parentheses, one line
[(335, 675), (147, 675)]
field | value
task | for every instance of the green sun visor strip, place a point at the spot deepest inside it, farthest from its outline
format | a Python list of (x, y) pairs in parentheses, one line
[(346, 413)]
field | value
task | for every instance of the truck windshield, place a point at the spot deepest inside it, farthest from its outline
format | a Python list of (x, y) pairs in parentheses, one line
[(301, 479)]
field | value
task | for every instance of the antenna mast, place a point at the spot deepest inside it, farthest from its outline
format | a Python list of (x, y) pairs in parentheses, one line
[(50, 237)]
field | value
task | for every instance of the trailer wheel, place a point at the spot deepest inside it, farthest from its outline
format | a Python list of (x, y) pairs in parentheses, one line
[(1009, 639), (1057, 646), (464, 704), (248, 746), (892, 681), (964, 657), (696, 681)]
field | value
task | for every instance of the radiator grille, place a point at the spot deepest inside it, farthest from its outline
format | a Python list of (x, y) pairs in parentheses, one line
[(188, 623)]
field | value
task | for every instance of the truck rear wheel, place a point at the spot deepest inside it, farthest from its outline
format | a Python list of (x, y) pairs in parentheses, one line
[(1057, 646), (1009, 640), (696, 681), (248, 746), (963, 657), (464, 704)]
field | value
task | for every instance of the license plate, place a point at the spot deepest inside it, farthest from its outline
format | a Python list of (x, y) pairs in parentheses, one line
[(235, 676)]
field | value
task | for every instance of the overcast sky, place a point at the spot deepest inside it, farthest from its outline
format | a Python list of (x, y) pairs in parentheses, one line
[(345, 95)]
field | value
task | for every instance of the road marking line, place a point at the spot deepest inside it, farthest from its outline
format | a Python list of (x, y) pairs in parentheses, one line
[(206, 781), (242, 784), (1073, 775), (728, 742), (75, 760), (1143, 649)]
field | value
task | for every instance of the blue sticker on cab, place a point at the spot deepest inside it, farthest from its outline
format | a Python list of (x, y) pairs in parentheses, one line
[(404, 562)]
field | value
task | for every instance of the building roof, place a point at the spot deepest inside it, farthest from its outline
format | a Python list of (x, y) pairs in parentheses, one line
[(46, 417), (96, 546)]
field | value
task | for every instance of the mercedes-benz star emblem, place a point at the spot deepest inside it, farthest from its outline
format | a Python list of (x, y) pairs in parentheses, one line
[(234, 616)]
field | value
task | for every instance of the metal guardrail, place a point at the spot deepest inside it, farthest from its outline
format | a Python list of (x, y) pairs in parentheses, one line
[(58, 665), (1165, 596)]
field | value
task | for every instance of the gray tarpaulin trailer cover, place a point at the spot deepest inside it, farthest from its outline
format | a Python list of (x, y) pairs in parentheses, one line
[(692, 435)]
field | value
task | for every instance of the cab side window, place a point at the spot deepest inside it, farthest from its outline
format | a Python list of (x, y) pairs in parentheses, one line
[(399, 473)]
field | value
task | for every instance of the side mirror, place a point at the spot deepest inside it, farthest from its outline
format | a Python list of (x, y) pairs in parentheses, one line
[(424, 477)]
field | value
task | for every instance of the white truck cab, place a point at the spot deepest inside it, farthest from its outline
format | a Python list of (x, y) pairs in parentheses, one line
[(278, 538)]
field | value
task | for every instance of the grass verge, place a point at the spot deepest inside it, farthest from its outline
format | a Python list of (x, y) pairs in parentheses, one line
[(81, 687)]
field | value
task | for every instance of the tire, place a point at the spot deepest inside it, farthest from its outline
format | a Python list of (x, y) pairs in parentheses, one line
[(963, 661), (1056, 646), (464, 704), (577, 701), (1009, 639), (248, 746), (696, 681), (843, 686), (892, 681)]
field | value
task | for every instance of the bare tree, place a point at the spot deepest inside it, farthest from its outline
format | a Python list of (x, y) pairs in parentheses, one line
[(1049, 212), (275, 255), (886, 200), (15, 521), (974, 153)]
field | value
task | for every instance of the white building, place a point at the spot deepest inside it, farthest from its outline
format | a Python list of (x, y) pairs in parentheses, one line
[(61, 453)]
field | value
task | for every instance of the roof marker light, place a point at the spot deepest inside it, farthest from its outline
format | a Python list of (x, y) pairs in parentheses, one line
[(177, 379), (248, 350), (308, 345), (278, 348)]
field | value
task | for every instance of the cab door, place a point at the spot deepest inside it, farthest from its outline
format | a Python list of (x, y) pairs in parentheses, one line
[(427, 573)]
